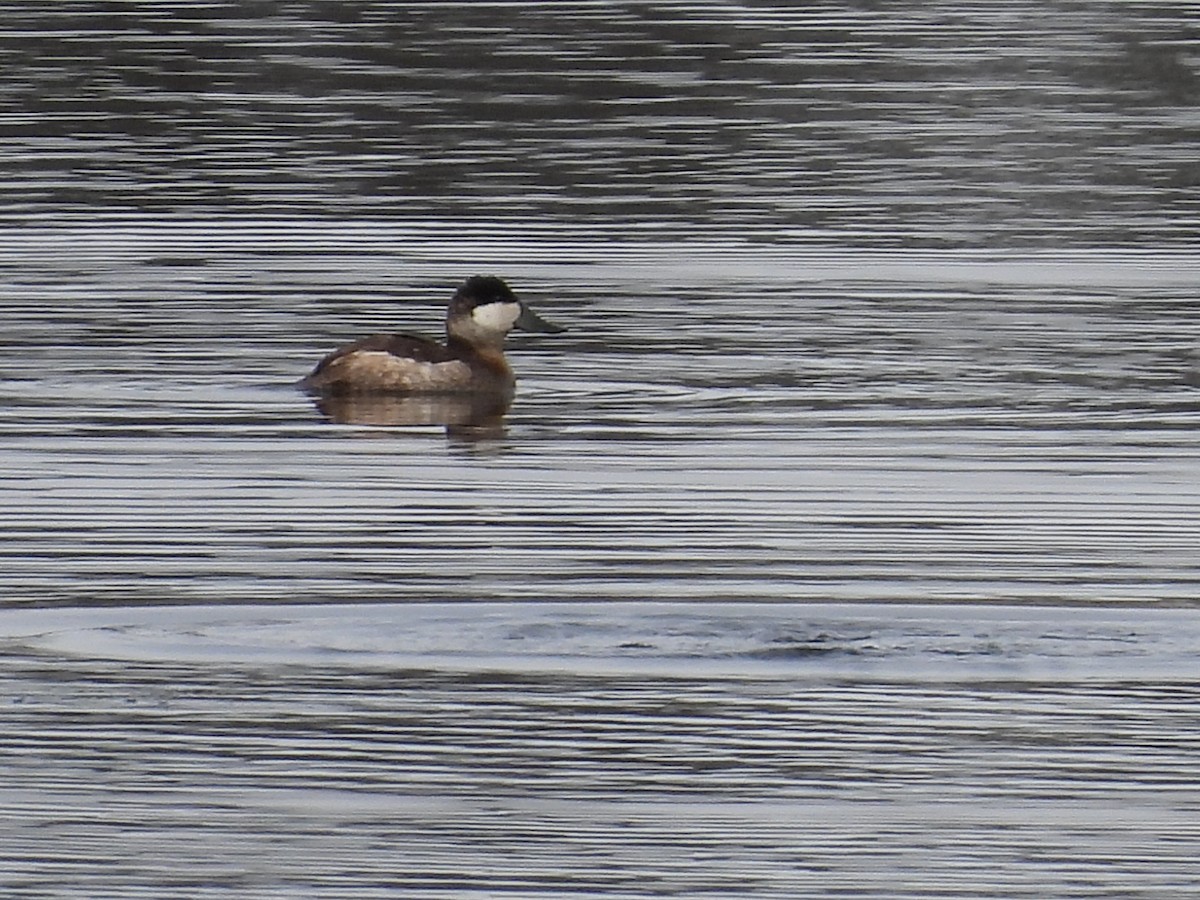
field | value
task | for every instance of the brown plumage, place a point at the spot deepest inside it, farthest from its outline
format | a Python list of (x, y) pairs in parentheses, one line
[(471, 361)]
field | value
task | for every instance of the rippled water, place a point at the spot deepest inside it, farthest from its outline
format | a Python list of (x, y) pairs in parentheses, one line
[(612, 749), (844, 546), (945, 123)]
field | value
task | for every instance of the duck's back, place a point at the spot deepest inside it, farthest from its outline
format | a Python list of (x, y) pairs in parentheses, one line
[(393, 363)]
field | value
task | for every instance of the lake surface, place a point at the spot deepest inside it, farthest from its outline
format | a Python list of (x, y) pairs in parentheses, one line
[(845, 545)]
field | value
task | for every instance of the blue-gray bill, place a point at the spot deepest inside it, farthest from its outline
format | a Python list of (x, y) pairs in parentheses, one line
[(531, 321)]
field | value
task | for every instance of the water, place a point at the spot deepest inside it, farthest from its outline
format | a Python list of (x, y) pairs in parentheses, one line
[(621, 749), (945, 123), (844, 546)]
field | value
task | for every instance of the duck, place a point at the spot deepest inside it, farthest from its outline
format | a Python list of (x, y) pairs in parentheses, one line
[(470, 363)]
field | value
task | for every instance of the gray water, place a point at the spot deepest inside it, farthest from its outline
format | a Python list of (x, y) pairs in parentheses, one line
[(844, 546)]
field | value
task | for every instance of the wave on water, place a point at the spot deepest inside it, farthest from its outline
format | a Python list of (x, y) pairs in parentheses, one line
[(893, 642)]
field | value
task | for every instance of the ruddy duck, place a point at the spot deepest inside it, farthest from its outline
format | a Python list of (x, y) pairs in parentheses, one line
[(472, 362)]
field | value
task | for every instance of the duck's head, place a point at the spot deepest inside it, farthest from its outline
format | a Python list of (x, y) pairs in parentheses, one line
[(485, 309)]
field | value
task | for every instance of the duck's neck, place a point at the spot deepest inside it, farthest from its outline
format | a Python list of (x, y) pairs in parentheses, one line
[(488, 356)]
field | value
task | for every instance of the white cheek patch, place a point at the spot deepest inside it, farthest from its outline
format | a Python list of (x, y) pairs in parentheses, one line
[(496, 316)]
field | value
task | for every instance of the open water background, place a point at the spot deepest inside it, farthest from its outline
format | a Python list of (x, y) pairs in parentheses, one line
[(846, 545)]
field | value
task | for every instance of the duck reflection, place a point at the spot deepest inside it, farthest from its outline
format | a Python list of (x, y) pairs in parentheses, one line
[(465, 416)]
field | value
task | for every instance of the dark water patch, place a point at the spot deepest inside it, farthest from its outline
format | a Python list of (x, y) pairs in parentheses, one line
[(943, 125)]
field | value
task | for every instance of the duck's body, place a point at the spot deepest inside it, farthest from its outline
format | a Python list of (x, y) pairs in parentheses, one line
[(408, 364), (481, 314)]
